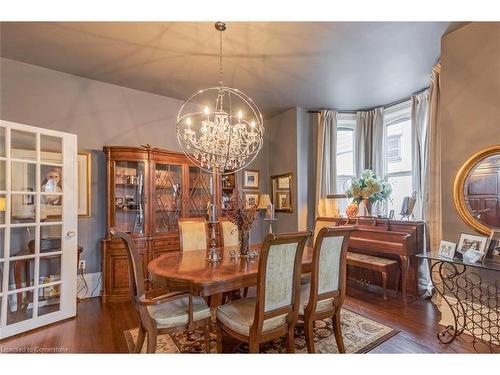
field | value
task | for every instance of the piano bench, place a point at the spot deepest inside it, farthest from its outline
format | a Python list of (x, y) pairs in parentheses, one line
[(374, 263)]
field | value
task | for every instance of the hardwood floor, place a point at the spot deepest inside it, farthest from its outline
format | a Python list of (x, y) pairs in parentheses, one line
[(98, 328)]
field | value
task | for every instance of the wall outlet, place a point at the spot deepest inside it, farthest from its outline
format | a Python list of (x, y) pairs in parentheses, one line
[(82, 264)]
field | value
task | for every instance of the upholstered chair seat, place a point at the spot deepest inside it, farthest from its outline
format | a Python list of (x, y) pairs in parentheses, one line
[(175, 313), (239, 316)]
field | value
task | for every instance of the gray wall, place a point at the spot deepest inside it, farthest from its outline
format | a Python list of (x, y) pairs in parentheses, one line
[(282, 145), (100, 114), (470, 107), (306, 167)]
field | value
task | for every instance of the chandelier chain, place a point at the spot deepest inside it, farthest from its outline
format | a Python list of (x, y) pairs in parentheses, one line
[(220, 58)]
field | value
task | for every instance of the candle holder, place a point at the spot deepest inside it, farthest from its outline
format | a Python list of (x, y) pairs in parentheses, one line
[(213, 254), (270, 221)]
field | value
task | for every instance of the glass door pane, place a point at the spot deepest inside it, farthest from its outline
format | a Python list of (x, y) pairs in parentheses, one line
[(201, 187), (129, 196), (168, 197)]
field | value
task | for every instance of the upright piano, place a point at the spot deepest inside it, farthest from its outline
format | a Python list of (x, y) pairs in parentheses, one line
[(395, 239)]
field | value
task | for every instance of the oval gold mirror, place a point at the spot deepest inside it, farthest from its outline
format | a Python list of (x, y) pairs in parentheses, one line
[(477, 190)]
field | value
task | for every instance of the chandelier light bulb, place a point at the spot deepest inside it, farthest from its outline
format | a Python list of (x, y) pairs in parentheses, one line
[(188, 121), (252, 124), (206, 110), (240, 114)]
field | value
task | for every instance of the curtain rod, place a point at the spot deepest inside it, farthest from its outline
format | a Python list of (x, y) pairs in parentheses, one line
[(385, 106)]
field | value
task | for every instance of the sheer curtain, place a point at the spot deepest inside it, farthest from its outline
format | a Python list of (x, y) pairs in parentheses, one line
[(326, 167), (369, 142)]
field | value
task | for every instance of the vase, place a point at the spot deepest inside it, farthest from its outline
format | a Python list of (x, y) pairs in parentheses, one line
[(244, 238), (368, 207)]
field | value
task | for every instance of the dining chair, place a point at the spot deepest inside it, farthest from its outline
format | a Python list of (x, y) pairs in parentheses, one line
[(193, 233), (322, 222), (230, 237), (229, 233), (168, 313), (324, 295), (273, 312)]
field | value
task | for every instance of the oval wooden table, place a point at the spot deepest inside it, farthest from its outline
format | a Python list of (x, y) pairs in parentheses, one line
[(191, 271)]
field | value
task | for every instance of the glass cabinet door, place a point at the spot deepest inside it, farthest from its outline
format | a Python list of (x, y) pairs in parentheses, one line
[(201, 185), (168, 197), (129, 196)]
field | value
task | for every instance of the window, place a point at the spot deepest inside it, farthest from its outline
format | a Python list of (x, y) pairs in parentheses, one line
[(394, 148), (398, 154), (345, 155)]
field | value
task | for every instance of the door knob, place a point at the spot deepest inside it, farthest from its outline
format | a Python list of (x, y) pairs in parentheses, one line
[(70, 234)]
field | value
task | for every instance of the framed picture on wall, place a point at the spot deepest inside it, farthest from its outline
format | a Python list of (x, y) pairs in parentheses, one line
[(251, 199), (283, 200), (284, 183), (251, 179)]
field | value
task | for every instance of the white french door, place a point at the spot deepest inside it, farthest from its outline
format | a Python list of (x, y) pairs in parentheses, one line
[(38, 227)]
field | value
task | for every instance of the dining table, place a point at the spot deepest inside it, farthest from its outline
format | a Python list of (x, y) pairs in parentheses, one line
[(192, 272)]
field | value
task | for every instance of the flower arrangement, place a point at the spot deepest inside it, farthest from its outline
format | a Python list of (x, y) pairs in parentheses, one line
[(368, 189), (242, 217)]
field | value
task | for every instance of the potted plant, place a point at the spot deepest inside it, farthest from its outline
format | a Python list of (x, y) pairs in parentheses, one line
[(243, 218)]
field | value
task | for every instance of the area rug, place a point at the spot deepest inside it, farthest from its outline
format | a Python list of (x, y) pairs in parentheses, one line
[(360, 336)]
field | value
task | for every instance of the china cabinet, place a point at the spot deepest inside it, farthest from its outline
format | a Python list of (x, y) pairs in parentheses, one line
[(148, 190)]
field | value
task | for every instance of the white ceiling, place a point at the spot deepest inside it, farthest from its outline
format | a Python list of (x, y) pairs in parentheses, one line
[(342, 65)]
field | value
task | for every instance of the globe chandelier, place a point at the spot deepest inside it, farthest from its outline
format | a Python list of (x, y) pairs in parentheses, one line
[(220, 129)]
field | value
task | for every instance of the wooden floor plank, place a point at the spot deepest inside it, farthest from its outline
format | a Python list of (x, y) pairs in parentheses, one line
[(99, 327)]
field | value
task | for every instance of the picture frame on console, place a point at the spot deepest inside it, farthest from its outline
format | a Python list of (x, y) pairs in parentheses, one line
[(493, 251), (471, 247), (447, 249)]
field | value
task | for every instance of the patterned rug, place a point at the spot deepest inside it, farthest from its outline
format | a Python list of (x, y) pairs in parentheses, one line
[(360, 336)]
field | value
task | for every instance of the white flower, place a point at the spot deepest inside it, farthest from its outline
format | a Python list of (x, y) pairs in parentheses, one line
[(366, 192), (367, 173)]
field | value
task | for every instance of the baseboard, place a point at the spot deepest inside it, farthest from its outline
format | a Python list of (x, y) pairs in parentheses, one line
[(447, 316), (94, 285)]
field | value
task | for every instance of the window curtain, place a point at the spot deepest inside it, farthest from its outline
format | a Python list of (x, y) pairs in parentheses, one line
[(420, 155), (426, 152), (369, 141), (432, 202), (326, 167)]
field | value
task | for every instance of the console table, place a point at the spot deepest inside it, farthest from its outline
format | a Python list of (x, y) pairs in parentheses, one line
[(474, 302)]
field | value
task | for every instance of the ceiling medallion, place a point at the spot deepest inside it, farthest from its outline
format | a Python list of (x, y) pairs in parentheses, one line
[(220, 129)]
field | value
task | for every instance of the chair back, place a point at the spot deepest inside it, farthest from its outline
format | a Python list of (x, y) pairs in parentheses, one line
[(323, 222), (136, 275), (47, 245), (193, 234), (328, 276), (229, 233), (278, 281)]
